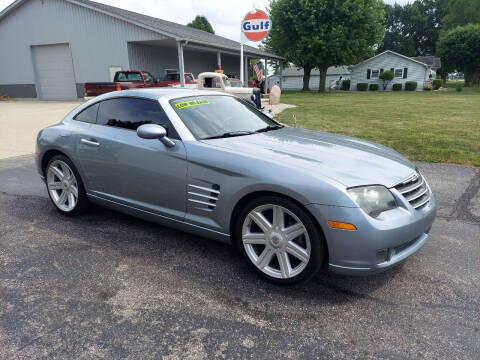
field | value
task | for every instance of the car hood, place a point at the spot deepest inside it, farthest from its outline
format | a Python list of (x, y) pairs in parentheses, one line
[(349, 161)]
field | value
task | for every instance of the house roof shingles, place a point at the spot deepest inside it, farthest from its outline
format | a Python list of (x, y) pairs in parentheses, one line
[(431, 61)]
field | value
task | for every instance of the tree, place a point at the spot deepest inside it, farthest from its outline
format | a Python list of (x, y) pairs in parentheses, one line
[(386, 77), (286, 37), (459, 49), (324, 33), (413, 29), (200, 22), (461, 12), (397, 28)]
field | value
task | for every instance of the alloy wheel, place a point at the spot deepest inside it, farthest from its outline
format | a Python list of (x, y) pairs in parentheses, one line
[(62, 185), (276, 241)]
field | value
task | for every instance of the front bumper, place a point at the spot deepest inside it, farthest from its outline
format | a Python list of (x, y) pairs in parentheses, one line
[(399, 233)]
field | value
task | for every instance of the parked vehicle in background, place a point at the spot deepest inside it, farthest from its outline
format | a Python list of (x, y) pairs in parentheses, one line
[(171, 79), (220, 82), (123, 80)]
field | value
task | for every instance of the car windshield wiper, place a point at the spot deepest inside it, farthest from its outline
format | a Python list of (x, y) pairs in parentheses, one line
[(270, 127), (230, 134)]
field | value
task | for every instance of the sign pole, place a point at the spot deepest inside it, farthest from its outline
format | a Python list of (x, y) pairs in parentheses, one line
[(241, 58), (254, 27)]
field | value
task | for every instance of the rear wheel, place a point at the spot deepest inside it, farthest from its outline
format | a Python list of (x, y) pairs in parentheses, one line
[(65, 187), (279, 240)]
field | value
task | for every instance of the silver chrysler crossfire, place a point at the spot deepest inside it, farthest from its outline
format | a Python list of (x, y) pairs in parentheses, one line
[(290, 200)]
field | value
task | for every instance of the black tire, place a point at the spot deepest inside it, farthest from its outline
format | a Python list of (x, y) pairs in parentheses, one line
[(82, 203), (317, 242)]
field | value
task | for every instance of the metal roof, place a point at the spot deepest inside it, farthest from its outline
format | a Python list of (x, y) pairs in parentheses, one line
[(164, 27)]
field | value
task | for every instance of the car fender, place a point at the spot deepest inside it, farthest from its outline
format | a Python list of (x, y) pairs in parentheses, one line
[(58, 138)]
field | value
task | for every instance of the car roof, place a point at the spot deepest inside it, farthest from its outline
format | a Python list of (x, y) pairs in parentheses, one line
[(158, 93)]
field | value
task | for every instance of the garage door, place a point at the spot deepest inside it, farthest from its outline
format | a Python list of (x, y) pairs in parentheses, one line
[(54, 72)]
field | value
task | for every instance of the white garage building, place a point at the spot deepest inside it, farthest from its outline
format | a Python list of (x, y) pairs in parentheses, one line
[(50, 48)]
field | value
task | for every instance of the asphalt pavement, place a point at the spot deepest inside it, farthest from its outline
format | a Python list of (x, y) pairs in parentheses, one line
[(106, 285)]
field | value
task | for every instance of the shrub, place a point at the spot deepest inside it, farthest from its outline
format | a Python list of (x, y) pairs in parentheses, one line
[(386, 77), (411, 85), (426, 88), (346, 85), (362, 86), (459, 87), (397, 87), (437, 84), (373, 87)]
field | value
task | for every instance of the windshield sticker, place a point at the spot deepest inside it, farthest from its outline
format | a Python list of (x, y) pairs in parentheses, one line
[(186, 104)]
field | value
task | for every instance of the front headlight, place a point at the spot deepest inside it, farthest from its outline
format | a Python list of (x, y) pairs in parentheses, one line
[(373, 199)]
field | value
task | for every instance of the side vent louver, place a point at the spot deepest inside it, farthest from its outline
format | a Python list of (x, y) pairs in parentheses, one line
[(203, 197)]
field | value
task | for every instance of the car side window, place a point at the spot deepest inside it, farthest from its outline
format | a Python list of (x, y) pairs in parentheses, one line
[(207, 83), (121, 77), (130, 113), (149, 78), (88, 115)]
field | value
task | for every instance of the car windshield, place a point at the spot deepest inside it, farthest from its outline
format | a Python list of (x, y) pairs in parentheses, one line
[(220, 116), (235, 83)]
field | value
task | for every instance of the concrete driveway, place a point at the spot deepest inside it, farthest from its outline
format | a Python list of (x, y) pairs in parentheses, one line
[(106, 285), (21, 120)]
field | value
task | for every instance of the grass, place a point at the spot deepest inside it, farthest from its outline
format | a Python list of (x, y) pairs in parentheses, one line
[(435, 126)]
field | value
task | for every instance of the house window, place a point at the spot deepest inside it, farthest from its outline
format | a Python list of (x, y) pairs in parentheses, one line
[(375, 74), (398, 73)]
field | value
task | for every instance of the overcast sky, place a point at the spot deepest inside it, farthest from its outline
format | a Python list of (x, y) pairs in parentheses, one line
[(225, 19)]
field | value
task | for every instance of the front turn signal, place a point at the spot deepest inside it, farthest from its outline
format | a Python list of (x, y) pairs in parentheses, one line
[(341, 225)]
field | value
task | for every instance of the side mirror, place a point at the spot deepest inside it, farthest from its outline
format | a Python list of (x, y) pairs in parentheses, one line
[(154, 131)]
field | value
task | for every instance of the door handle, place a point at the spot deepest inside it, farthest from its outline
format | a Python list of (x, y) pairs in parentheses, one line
[(90, 142)]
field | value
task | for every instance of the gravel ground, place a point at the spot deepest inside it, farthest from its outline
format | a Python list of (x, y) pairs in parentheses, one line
[(106, 285)]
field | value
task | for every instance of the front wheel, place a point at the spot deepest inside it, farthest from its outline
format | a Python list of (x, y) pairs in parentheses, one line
[(280, 240)]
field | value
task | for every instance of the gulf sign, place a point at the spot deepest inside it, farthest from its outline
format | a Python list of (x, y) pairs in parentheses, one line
[(256, 25)]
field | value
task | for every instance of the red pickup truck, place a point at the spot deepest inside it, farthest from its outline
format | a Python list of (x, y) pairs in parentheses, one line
[(174, 79), (123, 80)]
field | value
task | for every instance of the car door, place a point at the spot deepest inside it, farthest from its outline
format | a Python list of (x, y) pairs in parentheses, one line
[(149, 80), (121, 167)]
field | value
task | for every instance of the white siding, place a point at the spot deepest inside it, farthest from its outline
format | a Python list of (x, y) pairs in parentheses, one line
[(296, 82), (416, 72)]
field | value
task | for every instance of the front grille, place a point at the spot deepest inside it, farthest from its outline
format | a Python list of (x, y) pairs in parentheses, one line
[(415, 190)]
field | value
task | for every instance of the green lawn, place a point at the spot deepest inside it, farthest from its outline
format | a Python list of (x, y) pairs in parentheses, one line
[(436, 126)]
